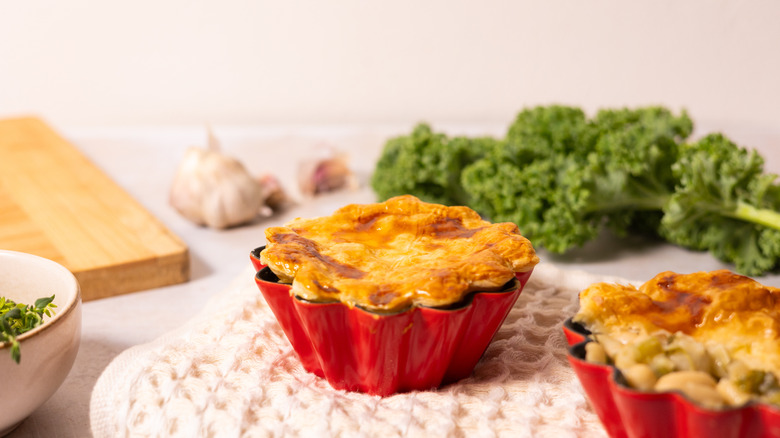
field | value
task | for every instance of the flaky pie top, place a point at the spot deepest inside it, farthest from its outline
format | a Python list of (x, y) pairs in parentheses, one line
[(396, 254)]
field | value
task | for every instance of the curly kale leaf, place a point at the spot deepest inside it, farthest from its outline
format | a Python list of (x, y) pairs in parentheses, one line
[(538, 178), (428, 165), (561, 177), (633, 156), (725, 204), (547, 131)]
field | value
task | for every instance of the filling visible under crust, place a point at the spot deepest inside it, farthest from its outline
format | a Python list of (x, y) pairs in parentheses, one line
[(714, 336), (393, 255)]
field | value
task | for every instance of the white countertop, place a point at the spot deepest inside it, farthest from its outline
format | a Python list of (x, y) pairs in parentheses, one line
[(143, 161)]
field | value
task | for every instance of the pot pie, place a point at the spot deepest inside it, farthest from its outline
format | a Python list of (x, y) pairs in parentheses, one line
[(714, 336), (401, 253)]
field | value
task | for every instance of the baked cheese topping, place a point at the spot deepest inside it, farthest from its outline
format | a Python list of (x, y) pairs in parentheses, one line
[(396, 254)]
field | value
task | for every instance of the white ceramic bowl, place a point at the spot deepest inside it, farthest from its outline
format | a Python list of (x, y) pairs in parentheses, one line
[(48, 351)]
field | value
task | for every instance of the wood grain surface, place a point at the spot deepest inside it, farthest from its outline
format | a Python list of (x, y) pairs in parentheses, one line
[(56, 204)]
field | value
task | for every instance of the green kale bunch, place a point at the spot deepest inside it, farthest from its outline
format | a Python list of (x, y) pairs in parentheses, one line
[(428, 165), (562, 177)]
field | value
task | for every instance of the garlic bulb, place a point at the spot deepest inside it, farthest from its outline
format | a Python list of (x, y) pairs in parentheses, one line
[(215, 190), (327, 173)]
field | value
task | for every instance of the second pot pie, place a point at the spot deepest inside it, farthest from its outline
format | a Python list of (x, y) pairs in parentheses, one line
[(401, 253), (715, 336)]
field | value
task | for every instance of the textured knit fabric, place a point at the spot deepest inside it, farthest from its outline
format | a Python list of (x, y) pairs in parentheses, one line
[(234, 374)]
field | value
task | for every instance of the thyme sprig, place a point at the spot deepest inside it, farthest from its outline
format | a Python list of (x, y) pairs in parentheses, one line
[(17, 318)]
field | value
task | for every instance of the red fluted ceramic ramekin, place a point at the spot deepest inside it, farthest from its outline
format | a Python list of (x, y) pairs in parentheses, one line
[(254, 257), (627, 412), (381, 354)]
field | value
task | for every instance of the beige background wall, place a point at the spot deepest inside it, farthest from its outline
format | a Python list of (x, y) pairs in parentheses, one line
[(151, 62)]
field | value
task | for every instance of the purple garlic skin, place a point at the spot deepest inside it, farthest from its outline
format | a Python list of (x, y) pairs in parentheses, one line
[(325, 175), (274, 196)]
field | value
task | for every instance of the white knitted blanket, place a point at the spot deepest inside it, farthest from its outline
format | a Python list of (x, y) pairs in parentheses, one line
[(234, 374)]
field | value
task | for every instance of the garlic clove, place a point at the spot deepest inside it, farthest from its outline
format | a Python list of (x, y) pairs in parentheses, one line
[(274, 196), (326, 174), (215, 190)]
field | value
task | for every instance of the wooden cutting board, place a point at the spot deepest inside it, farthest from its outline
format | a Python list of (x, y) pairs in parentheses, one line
[(56, 204)]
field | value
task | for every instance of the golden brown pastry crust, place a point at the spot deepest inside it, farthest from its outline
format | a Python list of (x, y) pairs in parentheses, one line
[(713, 307), (396, 254)]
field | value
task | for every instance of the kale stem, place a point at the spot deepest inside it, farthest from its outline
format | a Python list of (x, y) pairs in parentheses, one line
[(762, 216)]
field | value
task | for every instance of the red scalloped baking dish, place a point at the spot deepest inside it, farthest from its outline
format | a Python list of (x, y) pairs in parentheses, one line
[(627, 412), (254, 256), (381, 354)]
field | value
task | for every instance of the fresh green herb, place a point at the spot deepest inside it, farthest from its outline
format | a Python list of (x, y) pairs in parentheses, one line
[(16, 319), (562, 177), (428, 164)]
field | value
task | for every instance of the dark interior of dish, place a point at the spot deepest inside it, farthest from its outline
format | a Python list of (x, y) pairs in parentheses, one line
[(577, 350), (576, 327), (256, 251), (267, 275)]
